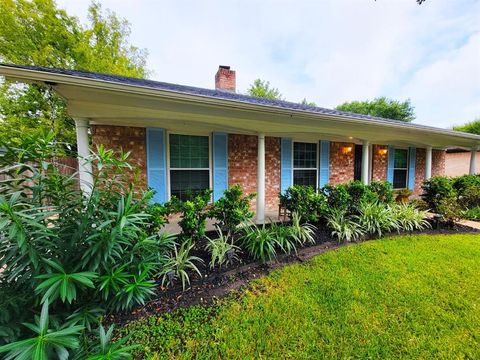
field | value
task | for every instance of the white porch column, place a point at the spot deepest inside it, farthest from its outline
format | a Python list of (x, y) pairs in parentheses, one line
[(428, 163), (261, 179), (473, 161), (365, 161), (84, 168)]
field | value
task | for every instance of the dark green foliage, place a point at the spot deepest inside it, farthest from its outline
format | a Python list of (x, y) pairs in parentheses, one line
[(232, 209), (83, 254), (472, 214), (338, 197), (468, 190), (436, 189), (259, 242), (472, 127), (194, 214), (107, 349), (158, 216), (305, 202), (381, 107), (383, 190)]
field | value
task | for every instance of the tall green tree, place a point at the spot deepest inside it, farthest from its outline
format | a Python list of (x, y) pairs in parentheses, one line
[(263, 89), (381, 107), (472, 127), (39, 33)]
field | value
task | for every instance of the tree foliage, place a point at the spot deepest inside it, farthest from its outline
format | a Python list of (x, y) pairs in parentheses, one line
[(263, 89), (472, 127), (307, 103), (381, 107), (39, 33)]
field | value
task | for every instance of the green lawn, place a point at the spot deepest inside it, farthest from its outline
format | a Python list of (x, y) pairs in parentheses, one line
[(402, 297)]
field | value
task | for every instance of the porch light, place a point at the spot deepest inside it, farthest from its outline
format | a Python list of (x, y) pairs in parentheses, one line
[(382, 151), (346, 150)]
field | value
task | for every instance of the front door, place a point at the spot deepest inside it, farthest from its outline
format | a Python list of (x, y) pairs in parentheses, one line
[(358, 163)]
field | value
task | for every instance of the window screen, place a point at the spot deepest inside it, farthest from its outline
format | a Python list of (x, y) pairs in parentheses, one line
[(189, 165), (305, 164)]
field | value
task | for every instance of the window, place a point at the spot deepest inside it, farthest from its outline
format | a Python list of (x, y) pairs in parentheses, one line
[(189, 165), (305, 164), (400, 169)]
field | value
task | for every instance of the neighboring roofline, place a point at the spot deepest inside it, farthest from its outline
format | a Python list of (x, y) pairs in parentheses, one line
[(52, 75)]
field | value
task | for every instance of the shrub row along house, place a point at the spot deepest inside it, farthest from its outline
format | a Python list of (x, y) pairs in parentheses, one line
[(184, 138)]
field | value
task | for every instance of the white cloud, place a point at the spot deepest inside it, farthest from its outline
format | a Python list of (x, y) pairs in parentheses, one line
[(328, 51)]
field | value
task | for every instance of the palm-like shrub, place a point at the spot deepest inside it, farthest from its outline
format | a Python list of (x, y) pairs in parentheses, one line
[(221, 249), (343, 226), (80, 252), (409, 218), (376, 218)]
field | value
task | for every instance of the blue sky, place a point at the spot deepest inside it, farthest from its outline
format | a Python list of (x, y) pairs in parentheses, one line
[(328, 51)]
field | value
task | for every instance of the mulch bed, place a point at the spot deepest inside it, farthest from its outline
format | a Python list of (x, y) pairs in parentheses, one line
[(218, 283)]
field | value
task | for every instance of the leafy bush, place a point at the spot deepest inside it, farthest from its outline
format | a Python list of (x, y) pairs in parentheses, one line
[(376, 218), (259, 242), (338, 197), (303, 233), (232, 209), (221, 249), (359, 193), (472, 213), (450, 209), (383, 190), (343, 226), (194, 214), (409, 218), (83, 253), (468, 190), (436, 189), (158, 216), (178, 263), (305, 201)]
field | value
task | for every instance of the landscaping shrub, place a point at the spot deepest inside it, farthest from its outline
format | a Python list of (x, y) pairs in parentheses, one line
[(472, 213), (178, 263), (376, 219), (83, 254), (409, 218), (359, 193), (158, 216), (232, 209), (436, 189), (303, 233), (305, 202), (343, 226), (284, 238), (383, 190), (222, 250), (259, 242), (450, 209), (468, 190), (194, 214), (338, 197)]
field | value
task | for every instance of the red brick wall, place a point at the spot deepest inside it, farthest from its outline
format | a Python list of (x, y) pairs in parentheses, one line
[(341, 165), (129, 139), (379, 163), (438, 162), (419, 171), (242, 166)]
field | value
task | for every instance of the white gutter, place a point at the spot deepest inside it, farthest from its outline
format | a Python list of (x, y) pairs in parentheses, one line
[(23, 74)]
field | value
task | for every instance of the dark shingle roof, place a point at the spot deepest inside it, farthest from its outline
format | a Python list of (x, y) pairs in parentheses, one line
[(191, 90)]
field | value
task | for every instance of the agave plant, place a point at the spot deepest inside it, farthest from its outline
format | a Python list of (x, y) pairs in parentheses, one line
[(178, 263), (344, 227), (222, 249)]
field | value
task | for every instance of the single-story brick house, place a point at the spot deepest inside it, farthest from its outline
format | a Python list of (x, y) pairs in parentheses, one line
[(187, 138)]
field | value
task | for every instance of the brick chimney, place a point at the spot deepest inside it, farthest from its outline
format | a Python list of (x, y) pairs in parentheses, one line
[(225, 79)]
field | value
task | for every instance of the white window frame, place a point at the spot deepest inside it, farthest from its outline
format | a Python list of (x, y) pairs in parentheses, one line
[(395, 168), (317, 160), (210, 160)]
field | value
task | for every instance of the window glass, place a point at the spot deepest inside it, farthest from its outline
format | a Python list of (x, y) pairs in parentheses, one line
[(400, 171), (189, 165), (305, 164)]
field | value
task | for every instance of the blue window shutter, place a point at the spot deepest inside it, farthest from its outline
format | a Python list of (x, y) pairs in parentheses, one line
[(220, 164), (157, 164), (286, 164), (411, 168), (390, 164), (324, 175)]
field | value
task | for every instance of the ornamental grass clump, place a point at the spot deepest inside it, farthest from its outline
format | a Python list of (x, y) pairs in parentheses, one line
[(344, 227), (376, 219), (221, 249), (259, 242), (409, 218)]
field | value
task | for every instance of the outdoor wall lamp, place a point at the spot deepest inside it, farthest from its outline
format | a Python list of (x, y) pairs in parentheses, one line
[(382, 151), (346, 150)]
